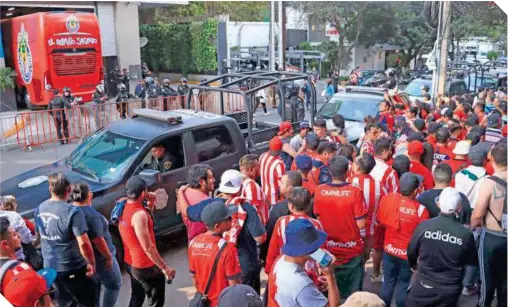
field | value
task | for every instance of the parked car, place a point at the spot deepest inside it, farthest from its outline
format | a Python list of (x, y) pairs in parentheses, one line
[(453, 87)]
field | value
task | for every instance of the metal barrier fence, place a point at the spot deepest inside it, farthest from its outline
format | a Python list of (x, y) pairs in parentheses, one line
[(35, 128)]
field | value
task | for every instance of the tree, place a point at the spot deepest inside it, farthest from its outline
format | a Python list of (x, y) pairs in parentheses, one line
[(358, 23), (411, 34)]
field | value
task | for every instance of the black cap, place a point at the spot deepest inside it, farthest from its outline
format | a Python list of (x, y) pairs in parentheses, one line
[(416, 136), (312, 140), (447, 112), (419, 124), (408, 183), (477, 155), (239, 296), (472, 120), (494, 120), (478, 129), (473, 137), (433, 127), (135, 186), (216, 212)]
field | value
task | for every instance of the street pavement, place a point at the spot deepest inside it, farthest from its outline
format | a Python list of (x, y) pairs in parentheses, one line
[(15, 160)]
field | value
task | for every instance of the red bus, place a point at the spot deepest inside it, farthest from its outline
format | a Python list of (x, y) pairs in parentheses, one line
[(53, 50)]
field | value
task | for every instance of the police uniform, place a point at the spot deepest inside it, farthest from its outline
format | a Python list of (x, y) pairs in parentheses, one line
[(163, 164)]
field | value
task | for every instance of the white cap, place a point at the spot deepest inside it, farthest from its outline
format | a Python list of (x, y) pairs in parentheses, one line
[(462, 148), (231, 182), (449, 200)]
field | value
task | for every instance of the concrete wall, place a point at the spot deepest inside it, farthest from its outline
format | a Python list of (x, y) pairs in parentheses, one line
[(249, 34), (127, 35), (366, 58)]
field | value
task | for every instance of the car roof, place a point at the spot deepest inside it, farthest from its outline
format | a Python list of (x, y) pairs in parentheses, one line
[(359, 96), (143, 126), (429, 81)]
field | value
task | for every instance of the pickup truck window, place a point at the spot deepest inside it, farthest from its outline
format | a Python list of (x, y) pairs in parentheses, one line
[(173, 146), (212, 142), (104, 155)]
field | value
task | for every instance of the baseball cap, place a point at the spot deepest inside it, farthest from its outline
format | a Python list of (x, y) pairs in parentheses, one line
[(363, 299), (433, 127), (449, 200), (477, 155), (303, 162), (472, 120), (304, 125), (419, 124), (302, 238), (409, 182), (276, 144), (447, 112), (284, 127), (135, 186), (494, 120), (415, 148), (478, 129), (230, 182), (239, 296), (415, 136), (216, 212), (462, 148), (28, 286)]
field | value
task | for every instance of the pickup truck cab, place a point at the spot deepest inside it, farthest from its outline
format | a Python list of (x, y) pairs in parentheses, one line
[(109, 157), (453, 87)]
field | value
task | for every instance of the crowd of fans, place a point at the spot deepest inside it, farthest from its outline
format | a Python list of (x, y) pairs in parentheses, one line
[(423, 194)]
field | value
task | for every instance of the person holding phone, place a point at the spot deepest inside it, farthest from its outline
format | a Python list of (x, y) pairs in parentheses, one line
[(288, 283)]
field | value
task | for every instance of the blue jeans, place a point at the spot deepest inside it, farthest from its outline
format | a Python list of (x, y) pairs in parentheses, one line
[(110, 279), (397, 276)]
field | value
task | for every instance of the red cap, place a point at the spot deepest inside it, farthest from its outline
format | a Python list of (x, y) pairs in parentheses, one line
[(25, 289), (415, 148), (284, 127), (504, 130), (276, 144)]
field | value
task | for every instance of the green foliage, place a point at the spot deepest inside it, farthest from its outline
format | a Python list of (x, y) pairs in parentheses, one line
[(305, 46), (7, 79), (492, 55), (392, 58), (181, 48), (331, 51)]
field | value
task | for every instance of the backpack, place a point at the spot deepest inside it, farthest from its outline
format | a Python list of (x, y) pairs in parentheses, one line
[(503, 222)]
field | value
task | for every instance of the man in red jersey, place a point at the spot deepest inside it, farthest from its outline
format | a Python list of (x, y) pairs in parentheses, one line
[(341, 209), (442, 153), (400, 214), (147, 269), (299, 204), (311, 148), (415, 151), (206, 247), (272, 170), (304, 166), (319, 173), (362, 166), (386, 176), (249, 167)]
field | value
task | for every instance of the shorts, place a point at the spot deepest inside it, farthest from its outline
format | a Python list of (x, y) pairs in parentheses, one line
[(379, 238)]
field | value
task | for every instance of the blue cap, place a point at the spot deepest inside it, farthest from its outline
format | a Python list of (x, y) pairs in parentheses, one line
[(303, 162), (302, 238), (49, 276), (304, 125)]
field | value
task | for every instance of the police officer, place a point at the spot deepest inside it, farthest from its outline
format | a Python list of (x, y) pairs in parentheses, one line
[(152, 90), (162, 160), (440, 248), (167, 91), (122, 99), (116, 76), (125, 79), (183, 90), (57, 107), (99, 98)]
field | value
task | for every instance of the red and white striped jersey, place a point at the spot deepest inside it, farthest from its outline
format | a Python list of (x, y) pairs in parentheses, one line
[(279, 237), (386, 175), (367, 147), (255, 195), (272, 169), (370, 188), (237, 220)]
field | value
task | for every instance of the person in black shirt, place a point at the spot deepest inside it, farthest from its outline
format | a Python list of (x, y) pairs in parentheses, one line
[(439, 250), (442, 175), (162, 160)]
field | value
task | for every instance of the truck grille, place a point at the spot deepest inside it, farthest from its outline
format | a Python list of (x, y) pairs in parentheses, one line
[(74, 64)]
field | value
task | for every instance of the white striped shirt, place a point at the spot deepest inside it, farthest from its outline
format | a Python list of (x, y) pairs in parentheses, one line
[(271, 169)]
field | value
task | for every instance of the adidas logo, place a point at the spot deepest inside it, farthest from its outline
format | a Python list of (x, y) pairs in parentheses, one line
[(438, 235)]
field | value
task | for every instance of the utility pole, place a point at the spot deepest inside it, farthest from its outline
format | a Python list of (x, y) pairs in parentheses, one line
[(272, 35), (446, 15), (281, 37)]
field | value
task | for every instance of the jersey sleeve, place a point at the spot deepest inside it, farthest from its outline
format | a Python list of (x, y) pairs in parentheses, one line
[(310, 296), (423, 213), (273, 247), (78, 222), (231, 263), (95, 227)]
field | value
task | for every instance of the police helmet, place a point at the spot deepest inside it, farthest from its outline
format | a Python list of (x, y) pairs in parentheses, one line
[(149, 80), (100, 88), (66, 89), (183, 80), (166, 82), (390, 72), (122, 87)]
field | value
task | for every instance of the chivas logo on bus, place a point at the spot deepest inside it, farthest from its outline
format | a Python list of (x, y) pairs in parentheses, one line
[(25, 63), (72, 24)]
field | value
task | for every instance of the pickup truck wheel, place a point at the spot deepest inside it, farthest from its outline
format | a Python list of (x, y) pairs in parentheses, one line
[(117, 242)]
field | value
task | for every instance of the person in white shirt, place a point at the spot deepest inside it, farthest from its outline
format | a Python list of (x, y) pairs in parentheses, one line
[(17, 222), (468, 180), (297, 141), (260, 97)]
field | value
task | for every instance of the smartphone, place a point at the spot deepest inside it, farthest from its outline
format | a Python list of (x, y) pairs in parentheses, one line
[(322, 258)]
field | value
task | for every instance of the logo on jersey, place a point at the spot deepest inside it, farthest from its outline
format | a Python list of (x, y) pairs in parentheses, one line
[(25, 63), (440, 236), (72, 24)]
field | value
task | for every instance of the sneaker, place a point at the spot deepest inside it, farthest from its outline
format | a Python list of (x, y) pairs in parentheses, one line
[(377, 279), (267, 113), (469, 291)]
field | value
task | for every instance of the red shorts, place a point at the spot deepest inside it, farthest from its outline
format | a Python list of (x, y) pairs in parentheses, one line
[(379, 238)]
